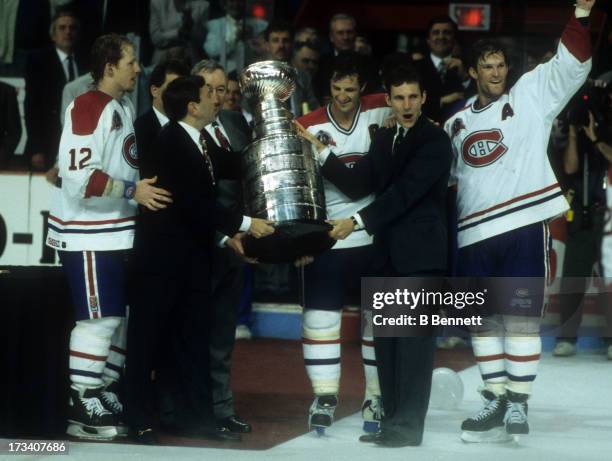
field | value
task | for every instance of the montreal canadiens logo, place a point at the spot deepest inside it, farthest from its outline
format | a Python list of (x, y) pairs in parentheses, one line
[(130, 153), (483, 147)]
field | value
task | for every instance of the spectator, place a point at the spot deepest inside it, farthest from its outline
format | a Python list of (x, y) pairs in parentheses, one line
[(279, 44), (306, 57), (47, 71), (586, 159), (363, 45), (444, 75), (342, 33), (231, 39), (10, 123), (177, 23), (233, 97), (307, 34)]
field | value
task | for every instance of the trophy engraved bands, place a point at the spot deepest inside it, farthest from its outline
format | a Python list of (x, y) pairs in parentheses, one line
[(282, 180)]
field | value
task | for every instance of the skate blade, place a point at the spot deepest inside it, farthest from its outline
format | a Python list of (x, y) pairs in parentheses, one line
[(122, 430), (371, 427), (497, 435), (104, 433)]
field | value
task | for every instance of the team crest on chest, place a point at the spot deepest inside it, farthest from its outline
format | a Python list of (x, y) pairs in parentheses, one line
[(117, 123), (325, 138), (482, 148), (130, 153)]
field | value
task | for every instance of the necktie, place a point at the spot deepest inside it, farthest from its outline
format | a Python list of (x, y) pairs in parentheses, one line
[(206, 157), (223, 141), (70, 60), (442, 70), (398, 139)]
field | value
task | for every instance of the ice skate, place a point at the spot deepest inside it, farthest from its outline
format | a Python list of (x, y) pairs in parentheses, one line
[(372, 412), (321, 413), (87, 416), (488, 425)]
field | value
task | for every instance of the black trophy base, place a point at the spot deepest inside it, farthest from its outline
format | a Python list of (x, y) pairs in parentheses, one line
[(290, 241)]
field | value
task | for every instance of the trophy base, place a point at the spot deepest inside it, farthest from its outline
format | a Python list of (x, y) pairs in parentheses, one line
[(291, 240)]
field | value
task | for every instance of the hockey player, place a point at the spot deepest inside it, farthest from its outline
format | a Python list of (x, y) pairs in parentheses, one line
[(91, 224), (347, 123), (506, 192)]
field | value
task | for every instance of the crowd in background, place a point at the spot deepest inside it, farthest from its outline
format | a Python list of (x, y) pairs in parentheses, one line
[(47, 44)]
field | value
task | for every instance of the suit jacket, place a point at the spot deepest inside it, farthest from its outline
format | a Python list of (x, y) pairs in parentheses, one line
[(239, 136), (303, 93), (10, 123), (184, 231), (436, 88), (146, 129), (44, 81), (408, 218)]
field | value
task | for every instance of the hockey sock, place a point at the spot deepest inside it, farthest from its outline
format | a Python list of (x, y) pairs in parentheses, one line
[(489, 353), (368, 354), (522, 359), (321, 346), (116, 355), (90, 342)]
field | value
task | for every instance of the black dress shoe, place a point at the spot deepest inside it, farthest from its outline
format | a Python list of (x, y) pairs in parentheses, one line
[(220, 434), (387, 440), (234, 424), (146, 436), (393, 441), (369, 438)]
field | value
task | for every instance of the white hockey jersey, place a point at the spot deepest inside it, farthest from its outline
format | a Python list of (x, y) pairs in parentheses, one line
[(606, 244), (97, 143), (348, 145), (501, 170)]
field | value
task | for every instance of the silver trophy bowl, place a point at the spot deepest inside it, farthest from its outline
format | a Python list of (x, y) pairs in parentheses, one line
[(281, 174)]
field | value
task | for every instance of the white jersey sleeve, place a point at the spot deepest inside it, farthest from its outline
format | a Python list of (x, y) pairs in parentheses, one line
[(551, 85)]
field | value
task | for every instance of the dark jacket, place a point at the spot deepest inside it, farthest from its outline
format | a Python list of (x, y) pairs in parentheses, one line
[(10, 123), (146, 129), (185, 229), (408, 218), (45, 80)]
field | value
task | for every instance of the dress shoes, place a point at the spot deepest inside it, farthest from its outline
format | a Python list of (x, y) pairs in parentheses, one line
[(202, 432), (234, 424), (384, 439)]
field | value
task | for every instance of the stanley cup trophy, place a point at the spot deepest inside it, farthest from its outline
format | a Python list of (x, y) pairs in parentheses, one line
[(281, 174)]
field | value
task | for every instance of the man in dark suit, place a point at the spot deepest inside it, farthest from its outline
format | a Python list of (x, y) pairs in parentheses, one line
[(444, 75), (10, 123), (407, 167), (230, 133), (169, 324), (149, 124), (47, 71)]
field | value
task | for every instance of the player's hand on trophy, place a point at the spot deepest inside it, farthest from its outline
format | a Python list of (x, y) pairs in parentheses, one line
[(151, 197), (261, 227), (585, 4), (342, 228), (235, 243), (303, 261), (308, 136)]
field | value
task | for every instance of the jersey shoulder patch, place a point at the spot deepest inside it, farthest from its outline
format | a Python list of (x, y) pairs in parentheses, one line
[(87, 110), (315, 117), (373, 101)]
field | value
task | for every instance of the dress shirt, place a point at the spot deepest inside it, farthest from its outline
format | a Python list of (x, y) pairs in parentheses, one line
[(161, 118), (63, 57)]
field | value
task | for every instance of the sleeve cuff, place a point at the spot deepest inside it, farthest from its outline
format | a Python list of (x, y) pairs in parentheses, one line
[(221, 243), (246, 224), (323, 155), (580, 13), (359, 220)]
